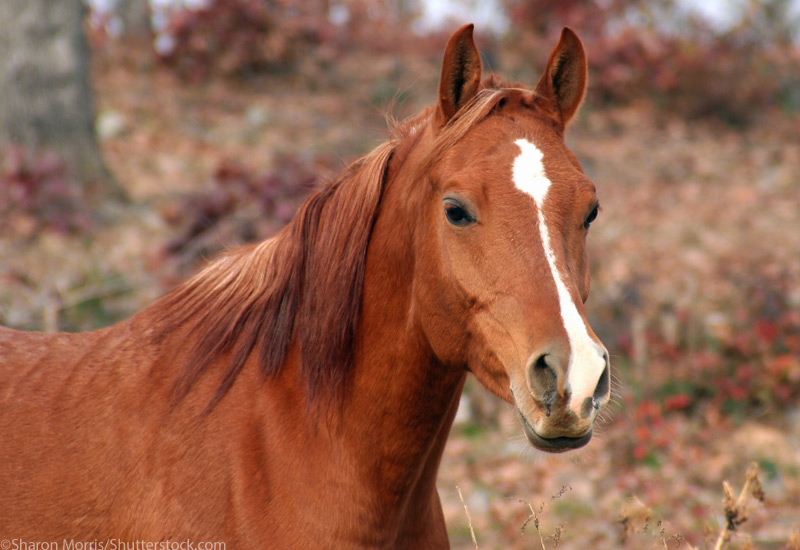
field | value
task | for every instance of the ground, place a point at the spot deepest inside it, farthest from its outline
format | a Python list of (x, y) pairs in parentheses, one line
[(695, 215)]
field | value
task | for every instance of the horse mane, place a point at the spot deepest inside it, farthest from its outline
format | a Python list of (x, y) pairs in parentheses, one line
[(306, 282)]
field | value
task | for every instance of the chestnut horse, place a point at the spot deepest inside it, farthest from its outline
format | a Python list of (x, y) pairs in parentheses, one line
[(298, 393)]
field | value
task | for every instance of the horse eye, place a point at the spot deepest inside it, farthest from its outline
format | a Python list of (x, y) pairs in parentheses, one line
[(591, 217), (456, 214)]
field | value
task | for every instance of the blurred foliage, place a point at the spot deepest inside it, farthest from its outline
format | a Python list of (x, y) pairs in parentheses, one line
[(748, 364), (242, 206), (235, 38), (639, 51), (655, 52), (37, 195)]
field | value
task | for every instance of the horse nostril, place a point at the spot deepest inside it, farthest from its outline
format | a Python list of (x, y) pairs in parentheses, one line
[(543, 381), (601, 392), (603, 386)]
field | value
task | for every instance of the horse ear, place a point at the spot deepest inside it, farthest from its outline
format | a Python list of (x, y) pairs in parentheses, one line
[(461, 73), (564, 79)]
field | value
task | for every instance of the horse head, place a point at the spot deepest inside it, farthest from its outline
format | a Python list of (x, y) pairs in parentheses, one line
[(501, 272)]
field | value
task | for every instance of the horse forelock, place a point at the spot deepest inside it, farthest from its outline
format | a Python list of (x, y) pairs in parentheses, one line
[(306, 282), (487, 101)]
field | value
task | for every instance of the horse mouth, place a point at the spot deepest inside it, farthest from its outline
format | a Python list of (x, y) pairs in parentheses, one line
[(553, 444)]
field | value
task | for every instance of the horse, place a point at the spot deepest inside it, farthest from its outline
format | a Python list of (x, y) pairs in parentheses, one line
[(298, 393)]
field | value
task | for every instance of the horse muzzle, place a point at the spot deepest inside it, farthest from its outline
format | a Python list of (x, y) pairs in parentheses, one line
[(558, 401), (558, 444)]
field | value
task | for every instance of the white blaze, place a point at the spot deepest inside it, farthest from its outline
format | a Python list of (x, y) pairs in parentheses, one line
[(586, 361)]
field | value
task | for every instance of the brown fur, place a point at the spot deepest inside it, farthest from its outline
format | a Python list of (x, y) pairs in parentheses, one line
[(298, 393)]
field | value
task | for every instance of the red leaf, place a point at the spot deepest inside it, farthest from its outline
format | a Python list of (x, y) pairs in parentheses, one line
[(766, 330), (677, 402)]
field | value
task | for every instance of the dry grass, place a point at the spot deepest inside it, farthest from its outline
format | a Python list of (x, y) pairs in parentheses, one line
[(736, 508), (638, 522)]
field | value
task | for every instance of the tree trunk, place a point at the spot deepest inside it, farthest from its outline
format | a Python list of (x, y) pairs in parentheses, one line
[(45, 93), (135, 18)]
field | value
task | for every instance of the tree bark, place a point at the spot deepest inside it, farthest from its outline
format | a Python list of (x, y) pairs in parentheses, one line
[(135, 18), (45, 92)]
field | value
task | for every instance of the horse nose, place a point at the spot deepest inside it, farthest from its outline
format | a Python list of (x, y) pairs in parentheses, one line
[(547, 379)]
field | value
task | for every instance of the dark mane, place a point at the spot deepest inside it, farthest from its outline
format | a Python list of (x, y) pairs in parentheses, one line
[(304, 283)]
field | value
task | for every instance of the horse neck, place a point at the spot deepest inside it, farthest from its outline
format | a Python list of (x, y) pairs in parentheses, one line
[(402, 400)]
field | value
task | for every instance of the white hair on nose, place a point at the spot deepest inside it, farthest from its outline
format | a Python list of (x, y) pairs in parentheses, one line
[(586, 359)]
